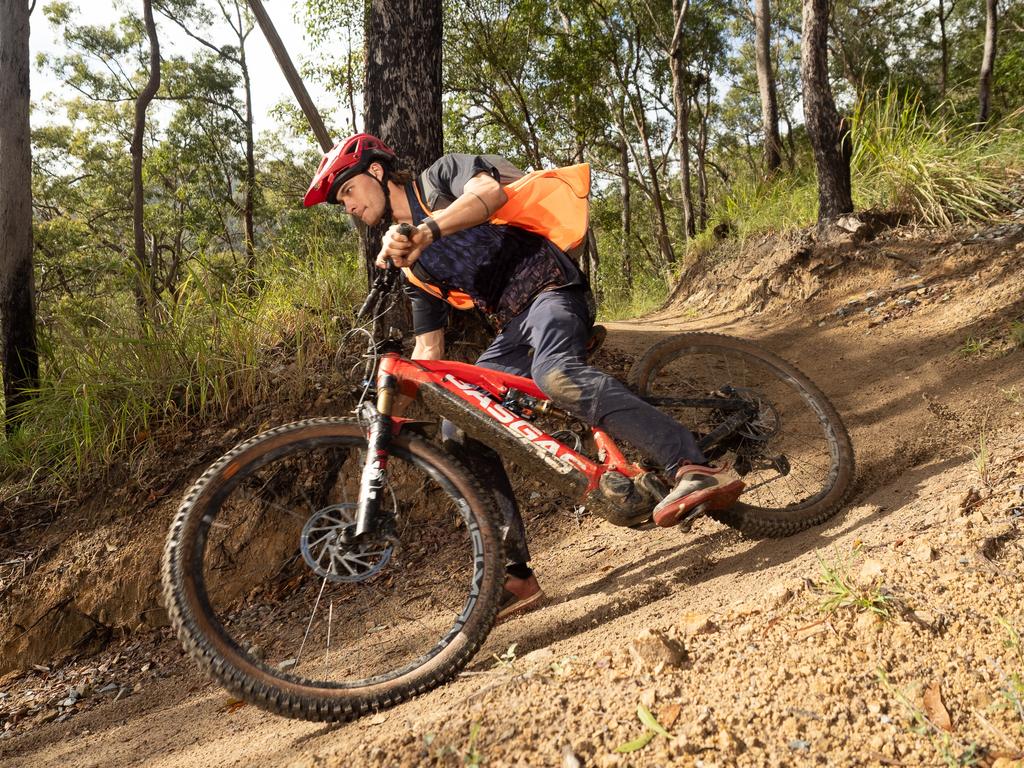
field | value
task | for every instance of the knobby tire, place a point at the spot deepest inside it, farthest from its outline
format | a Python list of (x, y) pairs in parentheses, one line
[(669, 358), (212, 637)]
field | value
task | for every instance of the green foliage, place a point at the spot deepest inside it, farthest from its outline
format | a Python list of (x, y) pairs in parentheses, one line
[(841, 591), (1016, 332), (1012, 689), (755, 205)]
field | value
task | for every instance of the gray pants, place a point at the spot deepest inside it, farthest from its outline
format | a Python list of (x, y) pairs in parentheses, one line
[(547, 342)]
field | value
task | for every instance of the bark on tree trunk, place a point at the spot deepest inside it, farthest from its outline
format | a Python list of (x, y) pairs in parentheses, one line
[(664, 241), (17, 292), (144, 281), (640, 121), (402, 93), (766, 86), (702, 151), (250, 154), (825, 129), (593, 266), (988, 61), (284, 61), (681, 99), (627, 257), (943, 50)]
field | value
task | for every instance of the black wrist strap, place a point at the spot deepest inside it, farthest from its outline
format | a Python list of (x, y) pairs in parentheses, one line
[(435, 230)]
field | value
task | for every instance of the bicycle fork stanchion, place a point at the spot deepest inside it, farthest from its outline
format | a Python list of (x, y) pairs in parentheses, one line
[(371, 486)]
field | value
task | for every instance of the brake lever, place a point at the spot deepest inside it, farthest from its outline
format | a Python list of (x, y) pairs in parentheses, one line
[(384, 282)]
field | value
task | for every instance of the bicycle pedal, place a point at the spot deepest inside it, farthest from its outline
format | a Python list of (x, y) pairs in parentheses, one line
[(686, 524)]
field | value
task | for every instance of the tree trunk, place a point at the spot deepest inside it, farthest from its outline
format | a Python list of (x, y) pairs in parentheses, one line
[(627, 257), (681, 99), (402, 93), (766, 86), (702, 151), (144, 281), (250, 154), (668, 256), (284, 61), (664, 241), (593, 264), (988, 61), (824, 127), (943, 50), (17, 292)]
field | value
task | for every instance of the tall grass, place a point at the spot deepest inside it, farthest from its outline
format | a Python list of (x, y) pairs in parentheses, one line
[(105, 389), (754, 206), (932, 165), (928, 163)]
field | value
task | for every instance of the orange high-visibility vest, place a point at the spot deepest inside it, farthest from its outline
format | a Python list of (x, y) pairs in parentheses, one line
[(554, 204)]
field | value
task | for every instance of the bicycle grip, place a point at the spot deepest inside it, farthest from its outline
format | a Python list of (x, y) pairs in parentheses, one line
[(405, 229)]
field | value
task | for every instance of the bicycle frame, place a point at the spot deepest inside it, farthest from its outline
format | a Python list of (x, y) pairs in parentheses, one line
[(480, 392)]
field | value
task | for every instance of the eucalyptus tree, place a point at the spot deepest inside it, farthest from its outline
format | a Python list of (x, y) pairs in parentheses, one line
[(638, 72), (85, 181), (147, 288), (196, 19), (827, 133), (988, 59), (766, 85), (17, 299)]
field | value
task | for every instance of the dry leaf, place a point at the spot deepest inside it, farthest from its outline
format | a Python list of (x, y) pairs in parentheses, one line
[(379, 719), (936, 711), (669, 715)]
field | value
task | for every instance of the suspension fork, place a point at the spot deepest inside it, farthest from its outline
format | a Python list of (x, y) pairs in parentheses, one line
[(369, 520)]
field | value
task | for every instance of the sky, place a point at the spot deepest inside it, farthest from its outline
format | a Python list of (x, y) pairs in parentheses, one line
[(269, 84)]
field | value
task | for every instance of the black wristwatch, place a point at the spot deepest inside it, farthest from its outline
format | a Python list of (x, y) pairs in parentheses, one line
[(435, 230)]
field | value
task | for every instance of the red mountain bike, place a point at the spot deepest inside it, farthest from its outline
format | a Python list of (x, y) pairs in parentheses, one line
[(334, 566)]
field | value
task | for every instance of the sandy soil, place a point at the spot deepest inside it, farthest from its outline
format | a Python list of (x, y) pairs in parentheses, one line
[(916, 662)]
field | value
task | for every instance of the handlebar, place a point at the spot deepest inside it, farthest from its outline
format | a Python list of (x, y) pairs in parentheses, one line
[(384, 281)]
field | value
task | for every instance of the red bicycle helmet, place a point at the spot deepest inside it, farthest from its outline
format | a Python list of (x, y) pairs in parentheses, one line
[(346, 159)]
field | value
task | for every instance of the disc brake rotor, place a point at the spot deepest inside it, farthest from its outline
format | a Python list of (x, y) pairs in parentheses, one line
[(766, 424), (327, 550)]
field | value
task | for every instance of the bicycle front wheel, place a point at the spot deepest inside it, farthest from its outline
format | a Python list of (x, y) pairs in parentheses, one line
[(758, 413), (272, 595)]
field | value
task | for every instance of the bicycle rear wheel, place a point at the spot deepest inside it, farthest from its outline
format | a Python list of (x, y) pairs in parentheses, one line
[(792, 449), (268, 597)]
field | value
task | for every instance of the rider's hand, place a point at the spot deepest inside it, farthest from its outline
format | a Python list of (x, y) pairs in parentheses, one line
[(402, 251)]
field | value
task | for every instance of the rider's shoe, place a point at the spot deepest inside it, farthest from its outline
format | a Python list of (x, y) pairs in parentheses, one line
[(518, 596), (695, 485)]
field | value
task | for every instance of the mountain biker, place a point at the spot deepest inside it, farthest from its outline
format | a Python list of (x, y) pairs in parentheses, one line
[(534, 296)]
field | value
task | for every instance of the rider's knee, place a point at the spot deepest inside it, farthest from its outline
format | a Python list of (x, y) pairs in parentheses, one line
[(560, 386)]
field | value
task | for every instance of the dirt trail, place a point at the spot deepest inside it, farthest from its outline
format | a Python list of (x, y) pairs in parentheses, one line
[(930, 382)]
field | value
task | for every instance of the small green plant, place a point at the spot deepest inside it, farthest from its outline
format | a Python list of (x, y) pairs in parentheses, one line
[(652, 728), (1017, 333), (841, 591), (953, 752), (974, 347), (1012, 395), (473, 756), (507, 660)]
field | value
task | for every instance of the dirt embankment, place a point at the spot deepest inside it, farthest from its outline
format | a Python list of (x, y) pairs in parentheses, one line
[(887, 636)]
